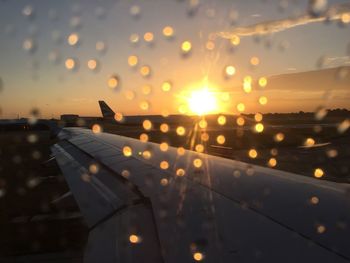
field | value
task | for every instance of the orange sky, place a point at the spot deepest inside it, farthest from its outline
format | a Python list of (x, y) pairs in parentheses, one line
[(36, 48)]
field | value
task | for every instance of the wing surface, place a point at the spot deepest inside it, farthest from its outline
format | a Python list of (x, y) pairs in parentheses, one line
[(223, 210)]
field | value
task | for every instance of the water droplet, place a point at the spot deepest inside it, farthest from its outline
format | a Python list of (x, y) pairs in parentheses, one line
[(259, 127), (262, 82), (164, 127), (146, 155), (93, 168), (317, 7), (166, 86), (198, 256), (28, 11), (125, 173), (164, 146), (235, 40), (96, 128), (247, 84), (127, 151), (186, 47), (144, 137), (135, 11), (130, 94), (252, 153), (220, 139), (133, 61), (93, 64), (210, 45), (230, 71), (203, 124), (134, 38), (148, 37), (134, 239), (29, 45), (344, 126), (71, 64), (119, 117), (165, 113), (73, 39), (144, 105), (309, 142), (321, 229), (205, 137), (33, 182), (164, 165), (240, 121), (197, 163), (318, 173), (180, 172), (345, 18), (147, 125), (193, 7), (240, 107), (258, 117), (320, 113), (199, 148), (164, 182), (274, 152), (113, 82), (145, 71), (146, 89), (263, 100), (32, 138), (180, 130), (279, 137), (180, 151), (272, 162), (254, 61), (221, 120), (314, 200), (168, 32), (101, 47), (332, 153)]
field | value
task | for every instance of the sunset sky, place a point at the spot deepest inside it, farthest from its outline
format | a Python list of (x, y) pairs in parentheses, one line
[(34, 49)]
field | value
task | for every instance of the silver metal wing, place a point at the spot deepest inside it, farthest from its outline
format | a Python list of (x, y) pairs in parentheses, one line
[(146, 205)]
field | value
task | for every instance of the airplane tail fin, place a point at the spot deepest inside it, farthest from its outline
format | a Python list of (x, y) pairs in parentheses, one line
[(107, 112)]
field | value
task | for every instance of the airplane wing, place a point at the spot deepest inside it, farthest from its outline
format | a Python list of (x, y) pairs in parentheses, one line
[(145, 205)]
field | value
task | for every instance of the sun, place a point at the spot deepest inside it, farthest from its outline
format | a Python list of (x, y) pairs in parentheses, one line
[(202, 101)]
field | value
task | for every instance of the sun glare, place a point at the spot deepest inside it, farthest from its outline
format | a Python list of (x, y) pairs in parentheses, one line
[(202, 102)]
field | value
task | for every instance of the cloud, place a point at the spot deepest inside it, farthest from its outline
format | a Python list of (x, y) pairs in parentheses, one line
[(334, 12), (337, 61)]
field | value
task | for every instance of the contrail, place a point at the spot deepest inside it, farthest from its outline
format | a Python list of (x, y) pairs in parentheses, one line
[(334, 12)]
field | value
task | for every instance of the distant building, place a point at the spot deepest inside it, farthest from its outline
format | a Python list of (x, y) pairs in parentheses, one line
[(69, 118)]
